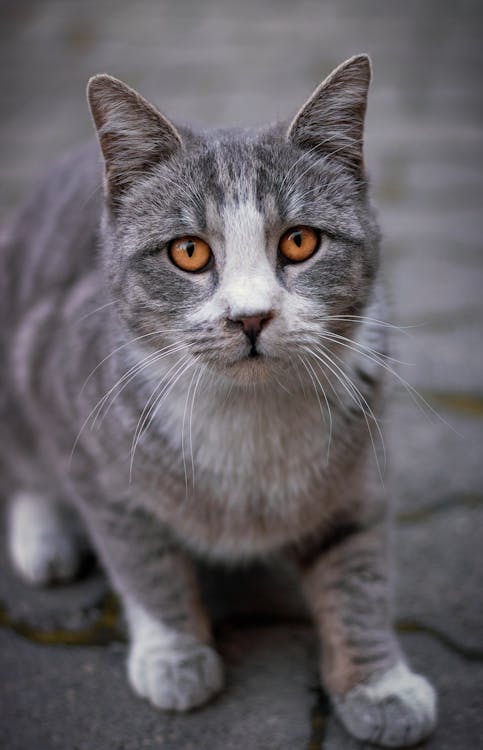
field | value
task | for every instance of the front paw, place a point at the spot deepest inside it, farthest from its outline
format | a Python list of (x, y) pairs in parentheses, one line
[(175, 677), (396, 709)]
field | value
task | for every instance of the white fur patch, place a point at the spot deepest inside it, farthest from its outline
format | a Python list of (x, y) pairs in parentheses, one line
[(172, 670), (396, 709), (42, 546), (248, 285)]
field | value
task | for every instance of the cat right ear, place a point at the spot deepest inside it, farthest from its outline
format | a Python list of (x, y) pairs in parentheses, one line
[(132, 134), (331, 122)]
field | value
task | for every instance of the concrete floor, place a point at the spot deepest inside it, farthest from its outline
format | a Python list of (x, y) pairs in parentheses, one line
[(217, 62)]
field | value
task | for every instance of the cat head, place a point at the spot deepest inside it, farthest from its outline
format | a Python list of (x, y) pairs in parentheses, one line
[(240, 245)]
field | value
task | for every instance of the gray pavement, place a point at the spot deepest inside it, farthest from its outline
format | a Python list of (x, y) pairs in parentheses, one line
[(216, 62)]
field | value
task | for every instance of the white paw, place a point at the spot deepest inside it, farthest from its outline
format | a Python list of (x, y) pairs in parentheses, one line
[(396, 709), (176, 676), (46, 560), (42, 549)]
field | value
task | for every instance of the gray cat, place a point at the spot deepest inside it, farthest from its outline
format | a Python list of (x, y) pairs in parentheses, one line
[(196, 366)]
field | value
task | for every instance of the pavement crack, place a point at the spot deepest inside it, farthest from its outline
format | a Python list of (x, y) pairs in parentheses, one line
[(470, 501), (466, 652), (319, 716)]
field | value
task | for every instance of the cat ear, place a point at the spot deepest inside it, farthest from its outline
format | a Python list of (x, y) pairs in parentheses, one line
[(331, 122), (133, 135)]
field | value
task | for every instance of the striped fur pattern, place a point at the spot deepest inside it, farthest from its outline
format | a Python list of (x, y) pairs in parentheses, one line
[(131, 394)]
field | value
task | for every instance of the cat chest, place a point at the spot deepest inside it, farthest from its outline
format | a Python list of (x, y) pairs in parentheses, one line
[(237, 479), (253, 444)]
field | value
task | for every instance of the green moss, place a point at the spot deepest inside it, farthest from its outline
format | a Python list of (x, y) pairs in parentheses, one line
[(101, 632), (465, 403)]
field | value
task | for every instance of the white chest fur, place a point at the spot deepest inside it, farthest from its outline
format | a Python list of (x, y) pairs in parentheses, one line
[(250, 444)]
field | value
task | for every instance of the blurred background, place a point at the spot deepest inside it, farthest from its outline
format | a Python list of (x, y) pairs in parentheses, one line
[(221, 62)]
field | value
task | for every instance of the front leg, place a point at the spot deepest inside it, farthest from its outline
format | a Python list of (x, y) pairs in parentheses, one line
[(374, 693), (171, 661)]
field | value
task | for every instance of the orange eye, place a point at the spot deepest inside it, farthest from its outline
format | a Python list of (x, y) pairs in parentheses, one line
[(190, 253), (299, 243)]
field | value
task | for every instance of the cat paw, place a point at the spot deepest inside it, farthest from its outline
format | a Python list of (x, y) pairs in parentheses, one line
[(43, 550), (176, 677), (46, 559), (396, 709)]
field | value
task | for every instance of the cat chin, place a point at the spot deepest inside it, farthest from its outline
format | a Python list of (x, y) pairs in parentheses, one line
[(249, 371)]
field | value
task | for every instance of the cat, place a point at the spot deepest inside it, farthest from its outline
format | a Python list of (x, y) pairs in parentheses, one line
[(195, 364)]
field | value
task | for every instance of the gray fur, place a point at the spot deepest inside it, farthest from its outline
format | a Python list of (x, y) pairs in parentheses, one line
[(130, 394)]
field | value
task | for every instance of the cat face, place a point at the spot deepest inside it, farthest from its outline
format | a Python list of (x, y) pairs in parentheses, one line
[(241, 246)]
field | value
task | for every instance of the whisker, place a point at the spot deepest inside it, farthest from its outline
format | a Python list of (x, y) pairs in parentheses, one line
[(365, 318), (158, 389), (155, 407), (306, 153), (185, 410), (327, 156), (382, 358), (364, 402), (302, 156), (300, 379), (280, 385), (356, 396), (198, 381), (90, 195), (97, 309), (129, 376), (123, 346), (413, 393), (313, 375), (98, 406)]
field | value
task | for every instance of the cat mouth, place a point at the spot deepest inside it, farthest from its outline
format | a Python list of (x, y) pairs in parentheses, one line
[(252, 361), (249, 359)]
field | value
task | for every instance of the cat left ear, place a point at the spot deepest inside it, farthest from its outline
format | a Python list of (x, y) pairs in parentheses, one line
[(133, 135), (331, 122)]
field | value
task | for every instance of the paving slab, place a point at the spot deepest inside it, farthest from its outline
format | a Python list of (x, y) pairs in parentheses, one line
[(439, 567), (446, 359), (57, 697), (434, 456)]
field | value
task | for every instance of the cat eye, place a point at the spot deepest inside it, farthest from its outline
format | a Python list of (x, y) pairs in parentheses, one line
[(299, 243), (191, 254)]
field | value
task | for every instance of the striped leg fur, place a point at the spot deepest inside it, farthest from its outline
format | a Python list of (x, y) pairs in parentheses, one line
[(395, 709), (374, 693), (171, 661)]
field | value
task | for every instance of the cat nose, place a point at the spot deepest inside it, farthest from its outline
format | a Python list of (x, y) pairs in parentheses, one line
[(253, 324)]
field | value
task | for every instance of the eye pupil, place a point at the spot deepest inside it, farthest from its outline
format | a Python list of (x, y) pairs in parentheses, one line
[(299, 243), (191, 254)]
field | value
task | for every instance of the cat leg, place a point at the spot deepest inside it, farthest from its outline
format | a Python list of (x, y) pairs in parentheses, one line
[(171, 661), (175, 670), (44, 539), (375, 694)]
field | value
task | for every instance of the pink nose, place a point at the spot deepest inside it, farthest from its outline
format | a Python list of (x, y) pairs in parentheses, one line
[(253, 324)]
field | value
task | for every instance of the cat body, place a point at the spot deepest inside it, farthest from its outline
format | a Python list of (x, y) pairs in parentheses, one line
[(229, 411)]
